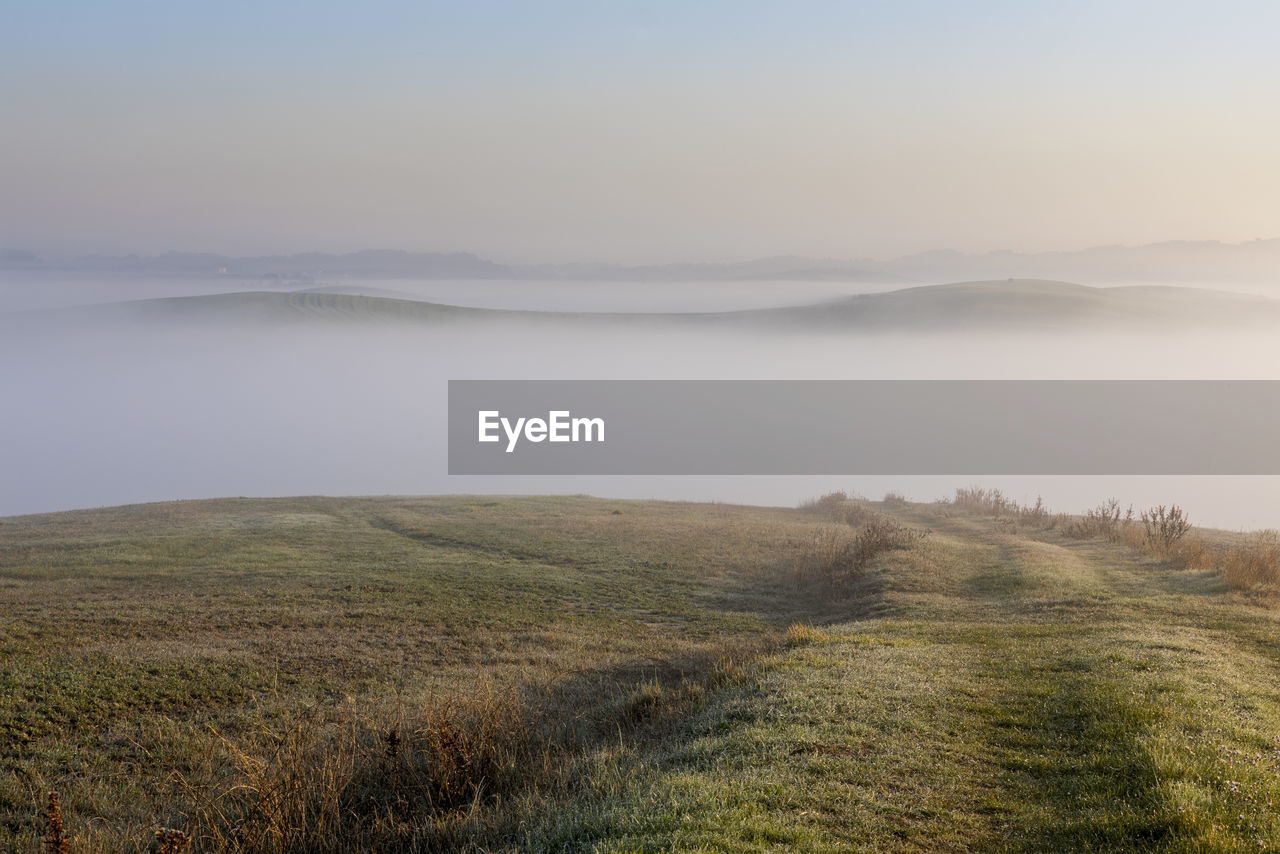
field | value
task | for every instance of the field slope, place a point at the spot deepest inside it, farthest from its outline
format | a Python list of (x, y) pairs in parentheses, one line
[(987, 688)]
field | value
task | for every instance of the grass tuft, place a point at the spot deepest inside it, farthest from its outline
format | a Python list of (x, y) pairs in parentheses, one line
[(806, 634)]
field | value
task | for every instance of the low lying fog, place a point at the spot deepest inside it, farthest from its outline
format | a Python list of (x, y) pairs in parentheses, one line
[(101, 412), (33, 290)]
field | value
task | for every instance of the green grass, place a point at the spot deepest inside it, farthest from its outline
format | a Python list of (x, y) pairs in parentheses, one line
[(128, 636), (1018, 694), (983, 689)]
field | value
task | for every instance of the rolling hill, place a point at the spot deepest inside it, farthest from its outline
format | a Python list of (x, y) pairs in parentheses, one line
[(1014, 304)]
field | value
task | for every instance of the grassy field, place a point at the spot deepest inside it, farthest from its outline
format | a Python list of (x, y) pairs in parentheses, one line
[(579, 674)]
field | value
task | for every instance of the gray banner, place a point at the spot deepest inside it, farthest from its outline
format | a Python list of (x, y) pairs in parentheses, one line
[(868, 427)]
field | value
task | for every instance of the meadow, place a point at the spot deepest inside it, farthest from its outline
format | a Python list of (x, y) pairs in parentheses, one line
[(570, 673)]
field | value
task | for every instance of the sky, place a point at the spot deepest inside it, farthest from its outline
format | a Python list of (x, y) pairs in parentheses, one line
[(635, 132)]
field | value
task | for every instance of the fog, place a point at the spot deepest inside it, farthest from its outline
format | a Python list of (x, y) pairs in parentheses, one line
[(34, 290), (102, 410)]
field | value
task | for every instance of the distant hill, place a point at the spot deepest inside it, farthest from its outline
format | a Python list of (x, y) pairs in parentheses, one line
[(1204, 262), (372, 262), (780, 268), (461, 265), (267, 307), (1027, 304), (1012, 304)]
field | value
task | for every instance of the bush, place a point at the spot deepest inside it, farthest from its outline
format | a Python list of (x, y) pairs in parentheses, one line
[(1163, 528), (836, 555), (980, 500), (1104, 521), (1256, 564), (993, 502)]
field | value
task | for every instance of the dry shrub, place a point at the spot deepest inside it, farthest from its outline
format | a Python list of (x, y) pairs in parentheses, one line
[(1256, 564), (977, 499), (993, 502), (1102, 522), (1038, 516), (894, 499), (836, 555), (1164, 528), (1162, 534)]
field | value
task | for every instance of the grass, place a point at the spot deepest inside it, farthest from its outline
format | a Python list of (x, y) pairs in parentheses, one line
[(580, 674), (1017, 692), (154, 658)]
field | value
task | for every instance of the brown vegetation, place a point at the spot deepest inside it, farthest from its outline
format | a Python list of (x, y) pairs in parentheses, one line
[(1164, 532), (993, 502), (363, 674), (55, 841), (1255, 564), (838, 554)]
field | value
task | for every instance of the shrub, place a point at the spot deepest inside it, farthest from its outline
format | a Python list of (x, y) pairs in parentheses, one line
[(993, 502), (836, 555), (1163, 528), (1103, 521), (981, 500)]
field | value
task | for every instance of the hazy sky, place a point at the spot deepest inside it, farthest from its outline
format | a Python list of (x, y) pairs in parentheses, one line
[(629, 131)]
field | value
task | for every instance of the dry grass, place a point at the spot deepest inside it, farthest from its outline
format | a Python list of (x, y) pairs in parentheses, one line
[(840, 508), (361, 674), (352, 782), (1256, 564), (993, 502), (1104, 521), (836, 555), (806, 634), (450, 774), (1164, 532)]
